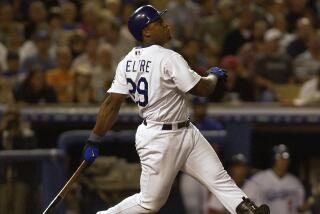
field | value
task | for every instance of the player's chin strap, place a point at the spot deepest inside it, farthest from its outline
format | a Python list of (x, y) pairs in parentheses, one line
[(248, 207)]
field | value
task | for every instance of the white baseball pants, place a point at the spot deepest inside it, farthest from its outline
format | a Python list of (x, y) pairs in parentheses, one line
[(162, 154)]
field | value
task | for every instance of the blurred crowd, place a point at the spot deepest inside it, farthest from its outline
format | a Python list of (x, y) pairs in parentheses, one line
[(60, 51)]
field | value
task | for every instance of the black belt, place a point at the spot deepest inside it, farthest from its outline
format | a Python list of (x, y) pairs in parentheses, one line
[(168, 126)]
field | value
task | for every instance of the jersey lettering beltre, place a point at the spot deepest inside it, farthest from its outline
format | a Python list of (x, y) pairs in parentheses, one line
[(156, 79)]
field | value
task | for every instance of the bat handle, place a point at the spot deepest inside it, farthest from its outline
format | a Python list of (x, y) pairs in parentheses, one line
[(52, 205)]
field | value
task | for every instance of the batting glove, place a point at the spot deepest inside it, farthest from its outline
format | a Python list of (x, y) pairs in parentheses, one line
[(91, 151), (219, 72)]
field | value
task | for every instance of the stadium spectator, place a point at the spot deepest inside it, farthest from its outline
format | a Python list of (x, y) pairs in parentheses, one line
[(103, 74), (181, 12), (260, 28), (6, 95), (119, 42), (240, 35), (61, 77), (272, 67), (296, 10), (89, 57), (191, 51), (206, 8), (303, 33), (12, 74), (15, 43), (307, 64), (69, 15), (3, 57), (41, 56), (82, 91), (104, 24), (37, 15), (213, 29), (276, 8), (34, 89), (248, 52), (115, 7), (309, 93), (200, 117), (279, 22), (15, 132), (89, 17), (127, 10), (7, 22), (55, 25), (16, 182), (238, 87), (77, 43)]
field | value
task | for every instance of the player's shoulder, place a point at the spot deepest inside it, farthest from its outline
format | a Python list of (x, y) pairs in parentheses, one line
[(292, 178), (165, 53), (166, 50)]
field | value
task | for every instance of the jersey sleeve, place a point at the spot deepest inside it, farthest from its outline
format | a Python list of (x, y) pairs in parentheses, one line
[(180, 72), (119, 84)]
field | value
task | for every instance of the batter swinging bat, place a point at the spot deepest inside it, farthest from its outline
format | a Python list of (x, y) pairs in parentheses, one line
[(66, 187)]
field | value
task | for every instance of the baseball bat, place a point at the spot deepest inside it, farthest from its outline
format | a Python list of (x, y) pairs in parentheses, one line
[(63, 192)]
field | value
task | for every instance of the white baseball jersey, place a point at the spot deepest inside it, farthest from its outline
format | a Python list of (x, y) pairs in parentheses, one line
[(156, 78), (283, 195)]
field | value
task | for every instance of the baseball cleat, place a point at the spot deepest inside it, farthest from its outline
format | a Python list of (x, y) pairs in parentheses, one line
[(248, 207)]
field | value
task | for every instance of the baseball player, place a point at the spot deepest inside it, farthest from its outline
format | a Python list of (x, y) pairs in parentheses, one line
[(157, 79), (280, 189)]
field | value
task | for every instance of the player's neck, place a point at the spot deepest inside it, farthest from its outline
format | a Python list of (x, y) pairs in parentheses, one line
[(149, 43)]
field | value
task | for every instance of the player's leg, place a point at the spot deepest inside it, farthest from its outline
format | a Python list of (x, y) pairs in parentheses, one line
[(204, 165), (161, 155)]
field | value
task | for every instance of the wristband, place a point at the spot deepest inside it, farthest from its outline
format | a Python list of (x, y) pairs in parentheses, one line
[(94, 137)]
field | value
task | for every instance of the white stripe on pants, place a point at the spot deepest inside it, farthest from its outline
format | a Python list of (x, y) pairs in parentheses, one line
[(162, 154)]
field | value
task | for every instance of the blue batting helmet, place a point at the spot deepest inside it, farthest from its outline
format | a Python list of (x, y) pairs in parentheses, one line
[(280, 151), (141, 17)]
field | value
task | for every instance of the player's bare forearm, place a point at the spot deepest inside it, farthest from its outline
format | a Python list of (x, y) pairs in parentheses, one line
[(205, 86), (108, 113)]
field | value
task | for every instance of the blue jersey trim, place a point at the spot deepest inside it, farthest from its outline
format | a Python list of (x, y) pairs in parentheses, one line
[(144, 45)]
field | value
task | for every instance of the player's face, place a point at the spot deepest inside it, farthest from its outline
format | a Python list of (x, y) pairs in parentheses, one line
[(158, 32), (239, 173), (200, 111), (282, 165)]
